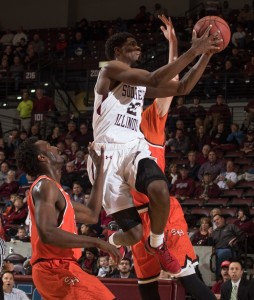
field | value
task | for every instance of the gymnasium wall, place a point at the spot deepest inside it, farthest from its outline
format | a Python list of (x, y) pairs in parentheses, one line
[(62, 13)]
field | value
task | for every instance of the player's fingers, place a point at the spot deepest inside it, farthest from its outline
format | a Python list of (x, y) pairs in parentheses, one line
[(194, 34), (163, 29), (206, 33)]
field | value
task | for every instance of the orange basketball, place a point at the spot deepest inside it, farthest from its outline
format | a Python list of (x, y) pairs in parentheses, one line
[(218, 24)]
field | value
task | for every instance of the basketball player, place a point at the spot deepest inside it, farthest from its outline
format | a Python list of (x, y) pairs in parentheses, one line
[(119, 95), (55, 243), (147, 266)]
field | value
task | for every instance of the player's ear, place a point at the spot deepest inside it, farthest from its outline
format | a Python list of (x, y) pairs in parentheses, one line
[(117, 51), (42, 157)]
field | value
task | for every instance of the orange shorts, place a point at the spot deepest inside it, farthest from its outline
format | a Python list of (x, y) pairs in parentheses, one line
[(146, 266), (64, 279)]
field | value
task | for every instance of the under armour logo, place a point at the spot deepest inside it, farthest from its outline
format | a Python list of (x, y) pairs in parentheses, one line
[(110, 157)]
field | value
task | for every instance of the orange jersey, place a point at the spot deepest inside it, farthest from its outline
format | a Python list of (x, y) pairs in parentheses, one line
[(41, 250)]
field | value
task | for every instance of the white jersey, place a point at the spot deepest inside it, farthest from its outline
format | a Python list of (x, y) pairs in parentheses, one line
[(117, 117)]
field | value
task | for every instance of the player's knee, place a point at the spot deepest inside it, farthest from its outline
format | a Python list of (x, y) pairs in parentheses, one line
[(135, 234), (159, 190)]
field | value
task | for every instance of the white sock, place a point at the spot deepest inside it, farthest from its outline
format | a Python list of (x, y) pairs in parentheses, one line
[(111, 240), (156, 240)]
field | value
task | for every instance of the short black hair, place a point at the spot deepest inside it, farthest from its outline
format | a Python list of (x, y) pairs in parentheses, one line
[(27, 157), (116, 40)]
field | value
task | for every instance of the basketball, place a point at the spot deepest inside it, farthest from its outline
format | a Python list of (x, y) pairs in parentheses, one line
[(218, 24)]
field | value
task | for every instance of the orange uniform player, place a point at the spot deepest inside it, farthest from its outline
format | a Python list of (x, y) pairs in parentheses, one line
[(146, 265), (56, 269)]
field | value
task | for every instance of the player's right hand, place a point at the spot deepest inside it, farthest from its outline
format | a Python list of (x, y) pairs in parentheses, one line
[(206, 43), (98, 160), (111, 250)]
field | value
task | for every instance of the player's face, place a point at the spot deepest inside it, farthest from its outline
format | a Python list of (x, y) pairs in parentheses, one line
[(130, 52), (51, 152)]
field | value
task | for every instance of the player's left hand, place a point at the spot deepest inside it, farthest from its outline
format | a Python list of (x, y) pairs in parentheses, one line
[(110, 249), (168, 30)]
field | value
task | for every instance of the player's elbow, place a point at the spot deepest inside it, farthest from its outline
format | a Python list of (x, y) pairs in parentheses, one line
[(46, 236)]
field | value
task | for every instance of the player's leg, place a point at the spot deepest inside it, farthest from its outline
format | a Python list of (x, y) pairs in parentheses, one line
[(196, 287), (149, 291)]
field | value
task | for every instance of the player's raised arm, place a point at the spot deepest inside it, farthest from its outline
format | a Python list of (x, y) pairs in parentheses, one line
[(168, 30), (88, 214)]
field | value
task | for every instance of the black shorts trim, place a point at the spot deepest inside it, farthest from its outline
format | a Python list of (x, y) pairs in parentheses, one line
[(148, 171), (127, 218)]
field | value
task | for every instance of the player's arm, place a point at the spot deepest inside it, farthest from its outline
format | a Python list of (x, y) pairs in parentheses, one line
[(89, 214), (47, 206), (163, 104), (119, 71)]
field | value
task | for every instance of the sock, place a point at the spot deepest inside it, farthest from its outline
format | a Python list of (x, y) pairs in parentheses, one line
[(111, 240), (156, 240)]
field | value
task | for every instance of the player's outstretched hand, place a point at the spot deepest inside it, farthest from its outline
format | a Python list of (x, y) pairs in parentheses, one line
[(168, 30), (110, 249), (98, 160), (206, 43)]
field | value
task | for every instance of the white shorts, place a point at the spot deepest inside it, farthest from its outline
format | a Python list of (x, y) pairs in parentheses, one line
[(120, 170)]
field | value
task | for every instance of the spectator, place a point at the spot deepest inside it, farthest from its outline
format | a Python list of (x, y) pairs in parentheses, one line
[(77, 193), (21, 235), (224, 238), (236, 137), (4, 69), (8, 54), (245, 223), (207, 189), (246, 16), (89, 262), (238, 287), (113, 270), (35, 131), (18, 36), (42, 106), (142, 16), (78, 47), (69, 176), (216, 288), (31, 58), (71, 131), (16, 72), (248, 142), (25, 108), (73, 151), (192, 165), (249, 67), (178, 112), (38, 44), (184, 186), (4, 169), (180, 143), (6, 38), (10, 186), (218, 112), (8, 287), (54, 137), (250, 115), (248, 175), (228, 179), (212, 166), (85, 136), (2, 156), (124, 269), (219, 136), (203, 156), (239, 37), (236, 59), (200, 238), (61, 46), (103, 262), (16, 217), (13, 142), (200, 139), (196, 110), (80, 161)]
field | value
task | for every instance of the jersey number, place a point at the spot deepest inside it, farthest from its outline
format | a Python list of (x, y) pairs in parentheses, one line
[(132, 109)]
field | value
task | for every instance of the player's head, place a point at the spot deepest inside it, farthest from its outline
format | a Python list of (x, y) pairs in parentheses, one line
[(33, 157), (114, 42)]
